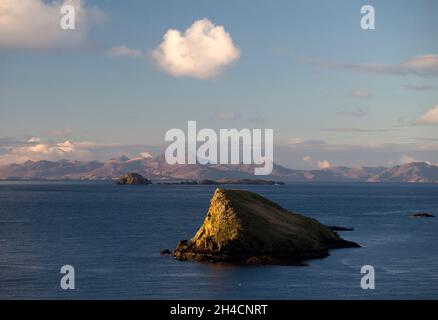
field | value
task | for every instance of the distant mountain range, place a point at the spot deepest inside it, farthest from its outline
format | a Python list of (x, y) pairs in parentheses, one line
[(157, 169)]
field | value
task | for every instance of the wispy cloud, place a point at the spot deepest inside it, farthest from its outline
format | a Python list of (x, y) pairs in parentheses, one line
[(253, 119), (62, 132), (429, 117), (407, 159), (419, 65), (201, 51), (123, 51), (358, 113), (419, 87), (359, 130), (302, 142), (360, 94), (422, 65), (227, 115), (426, 139), (238, 116)]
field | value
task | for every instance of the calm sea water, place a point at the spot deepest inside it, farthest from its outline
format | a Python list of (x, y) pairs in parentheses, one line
[(112, 235)]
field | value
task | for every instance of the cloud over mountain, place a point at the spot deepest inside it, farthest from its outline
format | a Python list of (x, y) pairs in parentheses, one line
[(35, 148)]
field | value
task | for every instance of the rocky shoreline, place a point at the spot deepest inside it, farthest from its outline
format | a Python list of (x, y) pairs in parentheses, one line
[(186, 250)]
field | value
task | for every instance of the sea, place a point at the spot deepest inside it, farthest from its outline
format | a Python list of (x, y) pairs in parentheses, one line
[(112, 237)]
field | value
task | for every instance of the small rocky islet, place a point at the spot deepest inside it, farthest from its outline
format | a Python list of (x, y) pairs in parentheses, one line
[(423, 215), (132, 179), (245, 228)]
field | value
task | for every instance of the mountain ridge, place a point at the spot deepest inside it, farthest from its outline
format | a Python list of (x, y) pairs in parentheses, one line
[(157, 169)]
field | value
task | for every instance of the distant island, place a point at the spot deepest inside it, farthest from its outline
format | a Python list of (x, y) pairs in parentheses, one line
[(246, 228), (423, 215), (156, 169), (132, 179)]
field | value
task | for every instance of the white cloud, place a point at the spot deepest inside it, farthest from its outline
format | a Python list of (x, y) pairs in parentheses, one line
[(65, 147), (201, 51), (34, 139), (406, 159), (430, 116), (324, 164), (34, 149), (421, 64), (18, 151), (35, 24), (123, 51)]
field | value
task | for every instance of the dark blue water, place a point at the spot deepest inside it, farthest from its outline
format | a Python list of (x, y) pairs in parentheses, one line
[(112, 235)]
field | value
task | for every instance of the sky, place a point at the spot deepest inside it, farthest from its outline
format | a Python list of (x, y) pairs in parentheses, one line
[(334, 94)]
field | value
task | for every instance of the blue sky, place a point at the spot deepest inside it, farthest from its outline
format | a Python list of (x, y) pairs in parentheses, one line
[(303, 70)]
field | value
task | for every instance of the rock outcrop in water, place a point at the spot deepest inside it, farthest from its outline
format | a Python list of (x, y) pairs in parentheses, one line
[(243, 227), (132, 179), (423, 215), (337, 228)]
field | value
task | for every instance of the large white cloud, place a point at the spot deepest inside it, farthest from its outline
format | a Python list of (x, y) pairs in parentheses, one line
[(430, 116), (35, 24), (200, 52)]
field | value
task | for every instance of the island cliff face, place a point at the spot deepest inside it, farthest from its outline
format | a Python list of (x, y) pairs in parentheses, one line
[(243, 227)]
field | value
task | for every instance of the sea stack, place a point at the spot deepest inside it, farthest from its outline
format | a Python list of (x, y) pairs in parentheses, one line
[(246, 228), (133, 179)]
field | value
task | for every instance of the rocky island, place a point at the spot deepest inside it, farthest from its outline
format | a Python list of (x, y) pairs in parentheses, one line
[(132, 179), (246, 228), (423, 215)]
